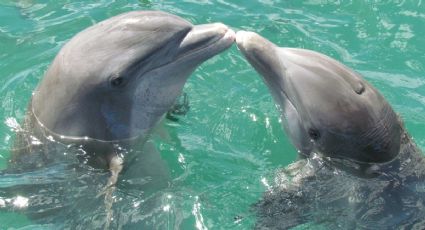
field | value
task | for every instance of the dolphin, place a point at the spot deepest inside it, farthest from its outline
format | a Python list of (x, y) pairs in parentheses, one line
[(101, 98), (113, 82), (359, 166)]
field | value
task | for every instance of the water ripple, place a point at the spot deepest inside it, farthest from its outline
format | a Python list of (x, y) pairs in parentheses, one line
[(231, 140)]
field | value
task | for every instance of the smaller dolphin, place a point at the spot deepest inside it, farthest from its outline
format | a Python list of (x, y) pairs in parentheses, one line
[(360, 167)]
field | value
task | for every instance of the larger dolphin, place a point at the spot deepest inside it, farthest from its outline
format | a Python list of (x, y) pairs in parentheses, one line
[(360, 169), (113, 82), (101, 97)]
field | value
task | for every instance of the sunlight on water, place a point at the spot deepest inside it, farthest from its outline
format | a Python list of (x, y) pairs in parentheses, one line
[(224, 154), (196, 211)]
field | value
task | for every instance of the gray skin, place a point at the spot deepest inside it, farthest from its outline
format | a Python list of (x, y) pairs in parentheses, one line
[(114, 81), (359, 164)]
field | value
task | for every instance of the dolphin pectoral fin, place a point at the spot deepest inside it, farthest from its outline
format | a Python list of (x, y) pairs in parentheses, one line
[(115, 167), (180, 108), (171, 117)]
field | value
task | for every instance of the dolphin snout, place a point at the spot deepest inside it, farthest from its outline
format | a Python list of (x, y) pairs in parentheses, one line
[(243, 37), (217, 28), (212, 38), (223, 32), (259, 52), (249, 42), (207, 34), (229, 34)]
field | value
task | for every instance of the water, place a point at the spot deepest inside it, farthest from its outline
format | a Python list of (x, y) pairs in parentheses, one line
[(225, 151)]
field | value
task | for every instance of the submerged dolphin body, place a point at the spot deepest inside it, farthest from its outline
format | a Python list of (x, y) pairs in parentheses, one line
[(360, 168), (113, 82)]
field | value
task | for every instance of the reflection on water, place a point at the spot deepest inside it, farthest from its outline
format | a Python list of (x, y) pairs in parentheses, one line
[(223, 154)]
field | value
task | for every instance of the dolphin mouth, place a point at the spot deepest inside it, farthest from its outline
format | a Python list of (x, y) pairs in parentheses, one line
[(200, 43), (261, 54), (252, 43), (214, 37)]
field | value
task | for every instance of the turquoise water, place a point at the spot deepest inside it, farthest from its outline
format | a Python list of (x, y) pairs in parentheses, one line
[(230, 143)]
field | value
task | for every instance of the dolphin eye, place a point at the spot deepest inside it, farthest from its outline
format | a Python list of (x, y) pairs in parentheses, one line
[(117, 81), (359, 89), (314, 134)]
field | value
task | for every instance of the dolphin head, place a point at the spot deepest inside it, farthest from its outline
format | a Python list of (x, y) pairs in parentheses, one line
[(326, 107), (116, 79)]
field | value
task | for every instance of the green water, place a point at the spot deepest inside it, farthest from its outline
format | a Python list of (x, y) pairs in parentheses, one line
[(230, 143)]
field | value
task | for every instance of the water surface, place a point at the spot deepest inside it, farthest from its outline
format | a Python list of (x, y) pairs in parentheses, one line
[(223, 154)]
